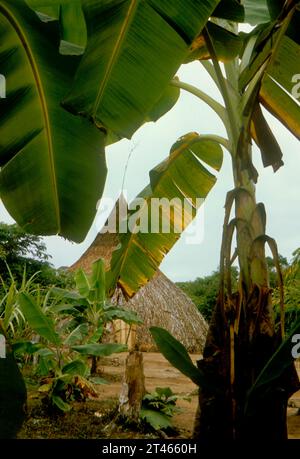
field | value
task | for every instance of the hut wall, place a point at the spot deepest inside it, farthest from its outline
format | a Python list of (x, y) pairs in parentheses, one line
[(123, 333)]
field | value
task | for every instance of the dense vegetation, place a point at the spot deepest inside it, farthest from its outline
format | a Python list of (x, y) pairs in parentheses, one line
[(21, 251), (56, 334), (203, 290)]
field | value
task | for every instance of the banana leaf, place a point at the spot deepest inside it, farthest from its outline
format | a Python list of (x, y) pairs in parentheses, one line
[(53, 167), (182, 181), (134, 50)]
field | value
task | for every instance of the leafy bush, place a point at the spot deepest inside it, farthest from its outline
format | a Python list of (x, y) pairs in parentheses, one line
[(63, 329), (159, 407)]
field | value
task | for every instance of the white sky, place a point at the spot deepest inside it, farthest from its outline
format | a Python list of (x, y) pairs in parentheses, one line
[(279, 192)]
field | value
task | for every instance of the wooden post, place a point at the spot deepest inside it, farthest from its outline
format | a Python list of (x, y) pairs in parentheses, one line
[(133, 387)]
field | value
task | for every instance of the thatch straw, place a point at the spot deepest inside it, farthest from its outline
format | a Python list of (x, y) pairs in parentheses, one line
[(159, 303)]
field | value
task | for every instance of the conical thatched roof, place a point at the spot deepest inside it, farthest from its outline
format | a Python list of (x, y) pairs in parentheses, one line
[(159, 303)]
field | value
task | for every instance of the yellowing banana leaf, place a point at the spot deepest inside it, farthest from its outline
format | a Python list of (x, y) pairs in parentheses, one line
[(175, 184), (226, 44), (52, 164), (134, 49)]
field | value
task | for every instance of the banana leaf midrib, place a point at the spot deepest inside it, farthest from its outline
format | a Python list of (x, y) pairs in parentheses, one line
[(18, 29), (115, 53)]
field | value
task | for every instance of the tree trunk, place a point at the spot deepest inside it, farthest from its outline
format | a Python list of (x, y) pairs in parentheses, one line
[(241, 336), (133, 387), (94, 365)]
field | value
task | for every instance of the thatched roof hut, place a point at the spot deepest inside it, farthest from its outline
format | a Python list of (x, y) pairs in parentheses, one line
[(159, 303)]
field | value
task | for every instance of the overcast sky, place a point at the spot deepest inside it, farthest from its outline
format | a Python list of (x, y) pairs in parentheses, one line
[(279, 192)]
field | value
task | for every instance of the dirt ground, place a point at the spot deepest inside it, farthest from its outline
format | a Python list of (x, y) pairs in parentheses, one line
[(92, 419)]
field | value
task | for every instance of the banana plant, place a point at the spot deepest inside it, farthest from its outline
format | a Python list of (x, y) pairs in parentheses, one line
[(64, 374), (140, 252), (96, 309), (257, 72), (97, 312), (89, 308)]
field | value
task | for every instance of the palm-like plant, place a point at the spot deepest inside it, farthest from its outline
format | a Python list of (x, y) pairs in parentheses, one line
[(124, 77)]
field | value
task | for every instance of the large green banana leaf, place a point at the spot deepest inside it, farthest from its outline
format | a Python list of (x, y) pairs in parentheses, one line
[(256, 11), (37, 319), (162, 106), (283, 53), (92, 286), (177, 355), (251, 11), (277, 87), (231, 10), (181, 176), (134, 49), (52, 164), (72, 22)]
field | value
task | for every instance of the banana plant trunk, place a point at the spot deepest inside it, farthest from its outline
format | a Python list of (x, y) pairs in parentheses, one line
[(242, 335)]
